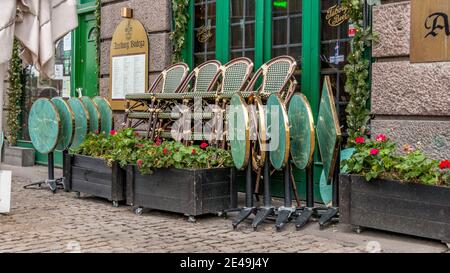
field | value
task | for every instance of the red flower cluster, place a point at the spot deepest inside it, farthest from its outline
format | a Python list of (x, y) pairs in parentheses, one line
[(444, 164), (112, 132), (139, 163), (165, 151), (374, 151), (158, 141), (360, 140), (194, 151), (204, 145), (381, 138), (97, 132)]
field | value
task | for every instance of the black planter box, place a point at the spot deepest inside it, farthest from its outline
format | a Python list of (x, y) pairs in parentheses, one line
[(92, 176), (412, 209), (191, 192)]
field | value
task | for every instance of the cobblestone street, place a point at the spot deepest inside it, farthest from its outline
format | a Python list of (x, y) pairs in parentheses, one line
[(44, 222)]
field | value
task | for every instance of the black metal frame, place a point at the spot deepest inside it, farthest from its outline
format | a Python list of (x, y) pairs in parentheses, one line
[(51, 182)]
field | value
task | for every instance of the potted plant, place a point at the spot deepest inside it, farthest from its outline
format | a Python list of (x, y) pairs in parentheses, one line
[(93, 169), (399, 192), (193, 180)]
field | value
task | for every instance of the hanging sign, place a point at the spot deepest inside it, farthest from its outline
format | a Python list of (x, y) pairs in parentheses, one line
[(337, 15), (128, 60), (430, 31)]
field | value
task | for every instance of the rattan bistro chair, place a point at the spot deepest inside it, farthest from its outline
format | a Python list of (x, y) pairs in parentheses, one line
[(204, 78), (233, 77), (139, 106), (277, 77)]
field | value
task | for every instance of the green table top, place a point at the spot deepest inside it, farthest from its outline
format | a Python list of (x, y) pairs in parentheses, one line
[(94, 114), (302, 132), (81, 121), (239, 131), (258, 133), (328, 129), (325, 189), (67, 123), (278, 131), (106, 114), (44, 125)]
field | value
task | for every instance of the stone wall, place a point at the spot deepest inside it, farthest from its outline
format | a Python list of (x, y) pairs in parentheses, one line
[(155, 16), (410, 102)]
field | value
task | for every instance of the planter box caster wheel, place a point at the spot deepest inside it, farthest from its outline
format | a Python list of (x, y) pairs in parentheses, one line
[(77, 194), (358, 230), (115, 204), (222, 214), (138, 211), (191, 219)]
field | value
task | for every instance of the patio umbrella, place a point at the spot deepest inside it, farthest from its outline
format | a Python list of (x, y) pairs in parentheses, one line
[(37, 24)]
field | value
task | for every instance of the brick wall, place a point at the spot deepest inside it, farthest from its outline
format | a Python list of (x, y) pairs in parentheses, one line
[(410, 102), (155, 16)]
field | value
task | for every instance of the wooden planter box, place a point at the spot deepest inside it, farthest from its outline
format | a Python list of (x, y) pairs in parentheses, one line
[(412, 209), (84, 174), (191, 192)]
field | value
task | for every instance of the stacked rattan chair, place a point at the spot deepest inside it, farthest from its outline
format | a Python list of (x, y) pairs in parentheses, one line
[(140, 106)]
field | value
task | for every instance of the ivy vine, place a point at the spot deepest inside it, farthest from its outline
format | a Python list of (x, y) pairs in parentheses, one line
[(357, 71), (14, 95), (180, 11)]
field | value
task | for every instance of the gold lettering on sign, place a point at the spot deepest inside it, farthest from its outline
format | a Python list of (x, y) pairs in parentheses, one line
[(336, 15), (204, 34)]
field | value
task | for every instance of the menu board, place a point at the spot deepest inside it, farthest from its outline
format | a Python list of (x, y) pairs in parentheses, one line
[(128, 75), (129, 60)]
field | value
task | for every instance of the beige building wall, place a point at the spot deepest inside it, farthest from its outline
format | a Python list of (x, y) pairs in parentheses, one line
[(410, 102), (155, 15)]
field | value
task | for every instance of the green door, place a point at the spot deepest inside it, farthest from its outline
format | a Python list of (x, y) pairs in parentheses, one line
[(86, 70)]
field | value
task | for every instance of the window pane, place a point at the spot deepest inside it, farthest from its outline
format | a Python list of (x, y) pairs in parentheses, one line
[(204, 31), (242, 31), (335, 47), (296, 30), (279, 32)]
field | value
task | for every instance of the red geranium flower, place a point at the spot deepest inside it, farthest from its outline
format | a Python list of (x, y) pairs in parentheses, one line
[(374, 151), (158, 141), (139, 163), (194, 151), (381, 138), (204, 145), (444, 164), (97, 132), (113, 132), (165, 151), (360, 140), (136, 134)]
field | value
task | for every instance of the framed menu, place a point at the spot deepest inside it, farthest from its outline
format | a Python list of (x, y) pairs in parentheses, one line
[(128, 75), (128, 60)]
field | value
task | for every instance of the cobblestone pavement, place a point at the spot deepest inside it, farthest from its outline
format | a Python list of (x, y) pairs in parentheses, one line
[(44, 222)]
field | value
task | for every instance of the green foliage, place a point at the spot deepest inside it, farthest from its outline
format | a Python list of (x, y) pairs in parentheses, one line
[(14, 95), (180, 11), (126, 147), (175, 154), (379, 159), (357, 72)]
